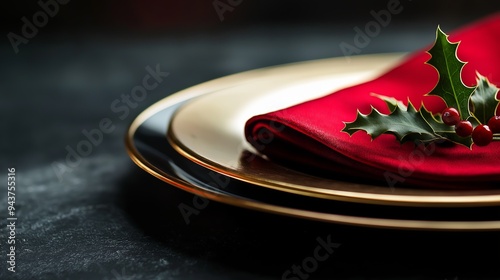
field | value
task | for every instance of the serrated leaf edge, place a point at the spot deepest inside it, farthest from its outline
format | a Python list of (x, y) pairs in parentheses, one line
[(439, 30)]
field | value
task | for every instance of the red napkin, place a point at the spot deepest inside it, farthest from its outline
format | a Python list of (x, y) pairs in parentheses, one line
[(309, 136)]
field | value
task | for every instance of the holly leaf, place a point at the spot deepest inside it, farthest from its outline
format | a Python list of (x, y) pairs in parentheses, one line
[(391, 102), (484, 100), (443, 130), (405, 122), (450, 86), (474, 104)]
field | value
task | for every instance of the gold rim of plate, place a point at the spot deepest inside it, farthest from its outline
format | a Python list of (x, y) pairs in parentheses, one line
[(210, 86), (175, 181), (210, 133)]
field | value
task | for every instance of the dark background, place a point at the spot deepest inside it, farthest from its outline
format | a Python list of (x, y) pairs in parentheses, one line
[(165, 16), (107, 219)]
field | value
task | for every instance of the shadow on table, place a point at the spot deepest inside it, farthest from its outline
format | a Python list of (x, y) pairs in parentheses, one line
[(268, 245)]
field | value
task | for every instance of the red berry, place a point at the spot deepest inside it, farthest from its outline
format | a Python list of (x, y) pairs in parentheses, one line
[(482, 135), (494, 124), (450, 116), (463, 128)]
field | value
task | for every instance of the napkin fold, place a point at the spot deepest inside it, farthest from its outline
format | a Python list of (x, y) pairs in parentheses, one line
[(308, 136)]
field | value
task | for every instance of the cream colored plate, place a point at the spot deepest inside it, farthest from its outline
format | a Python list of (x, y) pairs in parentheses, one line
[(209, 131)]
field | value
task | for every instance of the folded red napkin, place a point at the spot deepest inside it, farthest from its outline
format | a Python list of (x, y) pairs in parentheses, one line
[(309, 135)]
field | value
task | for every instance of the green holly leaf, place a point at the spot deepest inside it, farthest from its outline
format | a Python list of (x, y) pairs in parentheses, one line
[(391, 102), (450, 86), (443, 130), (405, 122), (484, 100), (474, 104)]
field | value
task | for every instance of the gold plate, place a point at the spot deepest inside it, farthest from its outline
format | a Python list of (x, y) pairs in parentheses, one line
[(209, 131), (149, 149)]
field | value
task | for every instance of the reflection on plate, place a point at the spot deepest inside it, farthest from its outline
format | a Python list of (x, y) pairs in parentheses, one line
[(148, 147), (209, 131)]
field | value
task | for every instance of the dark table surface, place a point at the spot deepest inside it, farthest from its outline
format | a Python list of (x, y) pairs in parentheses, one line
[(105, 218)]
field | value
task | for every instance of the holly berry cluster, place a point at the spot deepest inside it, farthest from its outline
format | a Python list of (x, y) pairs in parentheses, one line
[(471, 116), (482, 134)]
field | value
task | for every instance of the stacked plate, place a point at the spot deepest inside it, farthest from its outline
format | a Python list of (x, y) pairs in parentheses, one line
[(194, 140)]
